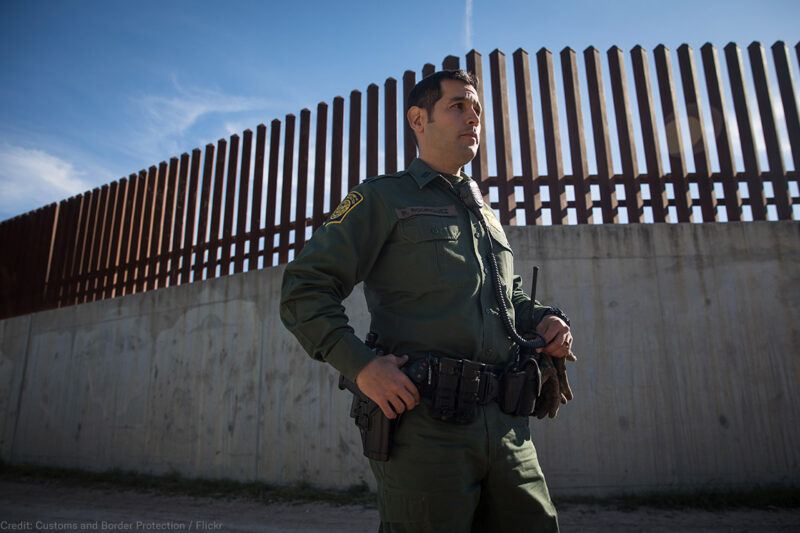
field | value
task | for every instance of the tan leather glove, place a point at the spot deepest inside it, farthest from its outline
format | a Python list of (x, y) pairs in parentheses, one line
[(550, 395), (555, 386), (560, 364)]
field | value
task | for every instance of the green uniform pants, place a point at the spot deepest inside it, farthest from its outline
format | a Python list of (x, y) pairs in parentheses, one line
[(454, 478)]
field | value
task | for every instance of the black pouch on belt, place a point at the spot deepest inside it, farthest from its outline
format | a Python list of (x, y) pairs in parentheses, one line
[(511, 385), (520, 388), (530, 390), (467, 406), (444, 399)]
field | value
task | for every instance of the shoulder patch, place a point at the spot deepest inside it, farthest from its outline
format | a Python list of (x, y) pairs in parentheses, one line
[(348, 204)]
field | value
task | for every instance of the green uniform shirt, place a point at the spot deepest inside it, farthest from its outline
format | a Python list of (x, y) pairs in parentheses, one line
[(422, 257)]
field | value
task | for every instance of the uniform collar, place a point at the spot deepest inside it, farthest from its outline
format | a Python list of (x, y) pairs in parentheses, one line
[(424, 174)]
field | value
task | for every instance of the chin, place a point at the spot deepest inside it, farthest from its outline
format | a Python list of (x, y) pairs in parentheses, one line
[(470, 154)]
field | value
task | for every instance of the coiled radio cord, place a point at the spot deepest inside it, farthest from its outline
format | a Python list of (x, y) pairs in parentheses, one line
[(471, 197)]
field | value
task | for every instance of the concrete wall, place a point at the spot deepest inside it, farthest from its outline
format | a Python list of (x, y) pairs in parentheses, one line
[(688, 374)]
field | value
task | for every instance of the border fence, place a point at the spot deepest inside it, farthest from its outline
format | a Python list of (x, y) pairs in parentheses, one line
[(247, 203)]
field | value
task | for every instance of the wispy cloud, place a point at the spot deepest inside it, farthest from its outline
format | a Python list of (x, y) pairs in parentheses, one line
[(31, 178), (468, 24), (168, 122), (758, 136), (238, 126), (34, 172)]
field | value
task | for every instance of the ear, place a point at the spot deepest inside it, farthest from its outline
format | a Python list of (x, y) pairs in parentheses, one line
[(416, 119)]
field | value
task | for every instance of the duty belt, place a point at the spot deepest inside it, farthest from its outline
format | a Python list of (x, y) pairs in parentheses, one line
[(455, 387), (452, 389)]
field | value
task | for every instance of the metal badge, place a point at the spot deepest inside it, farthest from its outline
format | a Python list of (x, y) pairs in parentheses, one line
[(470, 194)]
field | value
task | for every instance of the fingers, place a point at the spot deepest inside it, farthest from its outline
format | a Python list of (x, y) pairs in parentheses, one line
[(559, 335), (399, 361), (407, 391), (405, 397), (563, 382), (559, 347), (400, 399), (566, 390), (385, 384), (387, 409)]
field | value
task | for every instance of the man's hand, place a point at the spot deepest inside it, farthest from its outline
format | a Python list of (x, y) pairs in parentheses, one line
[(385, 384), (557, 332)]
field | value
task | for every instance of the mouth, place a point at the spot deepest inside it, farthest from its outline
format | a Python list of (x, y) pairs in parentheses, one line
[(472, 135)]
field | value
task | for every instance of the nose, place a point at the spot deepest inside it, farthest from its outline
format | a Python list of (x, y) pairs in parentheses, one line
[(473, 118)]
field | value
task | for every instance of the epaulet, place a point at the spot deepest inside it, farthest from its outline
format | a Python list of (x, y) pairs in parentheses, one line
[(385, 176)]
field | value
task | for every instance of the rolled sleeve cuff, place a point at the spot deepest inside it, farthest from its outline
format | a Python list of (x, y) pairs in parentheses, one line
[(349, 356), (524, 322), (538, 313)]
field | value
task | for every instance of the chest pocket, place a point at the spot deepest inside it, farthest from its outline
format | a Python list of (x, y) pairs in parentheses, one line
[(423, 229), (434, 249), (505, 258)]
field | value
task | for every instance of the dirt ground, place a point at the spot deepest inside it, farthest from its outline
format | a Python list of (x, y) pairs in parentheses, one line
[(36, 506)]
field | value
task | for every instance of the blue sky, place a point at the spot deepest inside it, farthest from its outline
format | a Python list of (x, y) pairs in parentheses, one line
[(95, 90)]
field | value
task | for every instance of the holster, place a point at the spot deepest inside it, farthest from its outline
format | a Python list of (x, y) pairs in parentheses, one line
[(376, 430)]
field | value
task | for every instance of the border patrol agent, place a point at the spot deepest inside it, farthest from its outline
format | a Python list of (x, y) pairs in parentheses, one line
[(424, 258)]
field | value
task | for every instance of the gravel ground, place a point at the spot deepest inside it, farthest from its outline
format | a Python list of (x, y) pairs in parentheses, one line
[(36, 506)]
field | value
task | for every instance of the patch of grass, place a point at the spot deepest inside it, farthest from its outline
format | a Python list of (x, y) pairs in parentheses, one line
[(174, 483), (712, 499), (760, 497)]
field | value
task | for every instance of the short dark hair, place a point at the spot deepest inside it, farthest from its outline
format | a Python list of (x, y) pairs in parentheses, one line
[(427, 92)]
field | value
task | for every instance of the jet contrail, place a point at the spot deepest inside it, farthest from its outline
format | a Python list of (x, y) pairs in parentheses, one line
[(468, 25)]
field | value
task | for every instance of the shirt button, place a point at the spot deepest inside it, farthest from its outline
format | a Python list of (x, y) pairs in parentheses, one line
[(477, 235)]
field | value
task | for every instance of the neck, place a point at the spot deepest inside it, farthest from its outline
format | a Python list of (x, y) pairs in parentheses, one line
[(444, 168)]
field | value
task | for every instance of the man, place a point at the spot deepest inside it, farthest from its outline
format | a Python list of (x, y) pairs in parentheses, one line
[(427, 254)]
